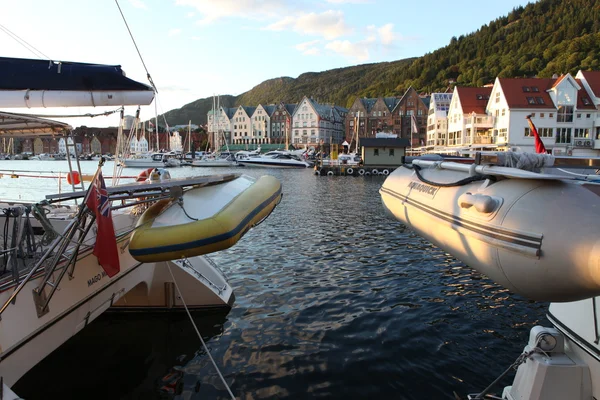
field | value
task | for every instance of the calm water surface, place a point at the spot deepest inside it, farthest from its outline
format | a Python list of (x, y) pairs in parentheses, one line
[(334, 300)]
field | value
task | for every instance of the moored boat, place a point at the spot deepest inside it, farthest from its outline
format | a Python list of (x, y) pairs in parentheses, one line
[(514, 225), (278, 160)]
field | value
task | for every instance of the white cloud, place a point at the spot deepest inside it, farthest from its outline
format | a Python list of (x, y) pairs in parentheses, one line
[(308, 48), (174, 32), (358, 51), (196, 38), (329, 24), (191, 14), (387, 35), (138, 4)]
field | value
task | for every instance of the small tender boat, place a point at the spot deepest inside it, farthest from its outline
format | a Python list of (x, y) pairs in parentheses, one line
[(204, 219), (278, 160), (157, 160), (537, 234)]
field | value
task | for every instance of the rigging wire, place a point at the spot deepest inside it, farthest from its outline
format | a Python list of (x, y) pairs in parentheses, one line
[(198, 332), (136, 47), (104, 114), (24, 43)]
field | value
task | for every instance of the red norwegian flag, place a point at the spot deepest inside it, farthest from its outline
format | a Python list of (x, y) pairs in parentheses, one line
[(105, 248), (539, 145)]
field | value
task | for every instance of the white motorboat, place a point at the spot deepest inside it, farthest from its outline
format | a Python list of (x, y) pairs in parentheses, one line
[(514, 225), (278, 160), (156, 160), (216, 160)]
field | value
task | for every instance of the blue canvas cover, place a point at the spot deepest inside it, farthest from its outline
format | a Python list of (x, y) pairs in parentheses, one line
[(23, 74)]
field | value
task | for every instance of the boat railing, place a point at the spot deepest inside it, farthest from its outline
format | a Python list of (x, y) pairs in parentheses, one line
[(186, 263)]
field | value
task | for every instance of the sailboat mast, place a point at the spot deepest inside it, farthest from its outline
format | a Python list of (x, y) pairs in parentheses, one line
[(156, 123), (190, 136), (287, 132)]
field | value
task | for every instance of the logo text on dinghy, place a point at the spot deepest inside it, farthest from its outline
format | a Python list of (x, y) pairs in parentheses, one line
[(423, 188)]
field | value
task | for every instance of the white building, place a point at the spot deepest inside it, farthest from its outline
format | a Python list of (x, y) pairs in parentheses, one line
[(241, 131), (468, 123), (560, 108), (437, 119), (314, 123), (590, 80), (261, 124)]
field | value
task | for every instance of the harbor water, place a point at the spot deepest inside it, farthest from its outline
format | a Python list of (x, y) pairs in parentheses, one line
[(334, 299)]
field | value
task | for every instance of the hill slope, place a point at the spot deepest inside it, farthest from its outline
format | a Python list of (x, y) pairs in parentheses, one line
[(543, 38)]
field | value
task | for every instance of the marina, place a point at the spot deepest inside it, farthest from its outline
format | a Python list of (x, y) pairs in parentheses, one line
[(364, 307)]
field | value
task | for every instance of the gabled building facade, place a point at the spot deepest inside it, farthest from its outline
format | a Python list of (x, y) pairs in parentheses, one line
[(437, 119), (468, 123), (241, 125), (366, 117), (315, 124), (411, 104), (281, 123), (561, 109)]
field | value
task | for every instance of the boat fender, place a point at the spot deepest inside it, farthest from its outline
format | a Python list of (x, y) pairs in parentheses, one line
[(385, 172), (350, 171), (144, 175), (155, 175), (375, 172), (317, 172), (165, 175), (361, 171), (367, 173), (329, 173)]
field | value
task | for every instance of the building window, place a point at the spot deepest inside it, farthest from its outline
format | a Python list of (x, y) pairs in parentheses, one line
[(497, 97), (563, 135), (391, 152), (588, 115), (581, 133), (578, 115), (503, 112), (375, 152), (564, 114), (530, 100), (551, 115), (540, 100), (526, 89), (542, 115)]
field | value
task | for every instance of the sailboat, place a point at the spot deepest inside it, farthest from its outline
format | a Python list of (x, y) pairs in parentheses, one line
[(530, 229), (51, 283), (217, 158)]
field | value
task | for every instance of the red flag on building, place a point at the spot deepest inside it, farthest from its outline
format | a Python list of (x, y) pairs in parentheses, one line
[(105, 248), (539, 145)]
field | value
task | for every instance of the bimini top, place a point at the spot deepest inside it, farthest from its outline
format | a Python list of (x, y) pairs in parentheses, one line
[(27, 74), (14, 125)]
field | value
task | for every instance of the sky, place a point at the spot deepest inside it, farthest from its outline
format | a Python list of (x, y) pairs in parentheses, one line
[(201, 48)]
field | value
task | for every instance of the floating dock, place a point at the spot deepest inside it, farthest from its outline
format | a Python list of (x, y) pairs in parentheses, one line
[(353, 170)]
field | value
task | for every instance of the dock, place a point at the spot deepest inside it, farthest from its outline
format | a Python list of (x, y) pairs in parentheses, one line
[(352, 170)]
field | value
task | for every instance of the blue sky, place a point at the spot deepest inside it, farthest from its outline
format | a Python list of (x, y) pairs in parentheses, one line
[(198, 48)]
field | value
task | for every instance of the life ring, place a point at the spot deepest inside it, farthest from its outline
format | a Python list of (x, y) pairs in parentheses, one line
[(361, 172), (385, 172), (350, 171), (375, 172), (330, 173), (144, 175)]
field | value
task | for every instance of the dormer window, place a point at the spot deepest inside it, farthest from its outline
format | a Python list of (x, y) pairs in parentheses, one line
[(530, 100), (526, 89), (535, 89), (585, 101), (540, 100)]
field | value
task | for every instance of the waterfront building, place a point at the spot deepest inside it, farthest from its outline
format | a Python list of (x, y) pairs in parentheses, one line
[(261, 124), (437, 120), (468, 123), (367, 116), (315, 124), (411, 104), (281, 123), (383, 152), (561, 108)]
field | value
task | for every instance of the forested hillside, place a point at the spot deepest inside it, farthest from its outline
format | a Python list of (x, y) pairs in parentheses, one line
[(540, 39)]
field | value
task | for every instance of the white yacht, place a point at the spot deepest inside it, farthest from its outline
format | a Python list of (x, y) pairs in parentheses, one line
[(157, 160), (277, 160), (513, 225), (216, 160)]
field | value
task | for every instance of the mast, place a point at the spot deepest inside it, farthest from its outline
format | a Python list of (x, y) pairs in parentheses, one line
[(190, 136), (156, 121), (287, 131)]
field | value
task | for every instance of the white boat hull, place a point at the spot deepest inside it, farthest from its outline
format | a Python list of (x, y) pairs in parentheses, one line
[(273, 164), (65, 98), (133, 163), (213, 163)]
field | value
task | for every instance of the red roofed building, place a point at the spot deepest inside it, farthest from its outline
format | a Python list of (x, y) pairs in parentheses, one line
[(560, 108), (468, 123)]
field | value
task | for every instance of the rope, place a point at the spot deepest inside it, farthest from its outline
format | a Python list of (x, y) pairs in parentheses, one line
[(104, 114), (461, 182), (136, 47), (198, 333)]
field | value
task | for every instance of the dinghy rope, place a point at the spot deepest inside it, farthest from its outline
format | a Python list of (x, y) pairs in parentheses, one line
[(198, 333), (520, 360), (462, 182)]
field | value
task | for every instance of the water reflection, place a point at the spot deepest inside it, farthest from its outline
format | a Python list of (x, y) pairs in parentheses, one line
[(334, 299)]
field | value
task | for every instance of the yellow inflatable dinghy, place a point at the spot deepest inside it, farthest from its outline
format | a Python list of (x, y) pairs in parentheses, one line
[(209, 219)]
